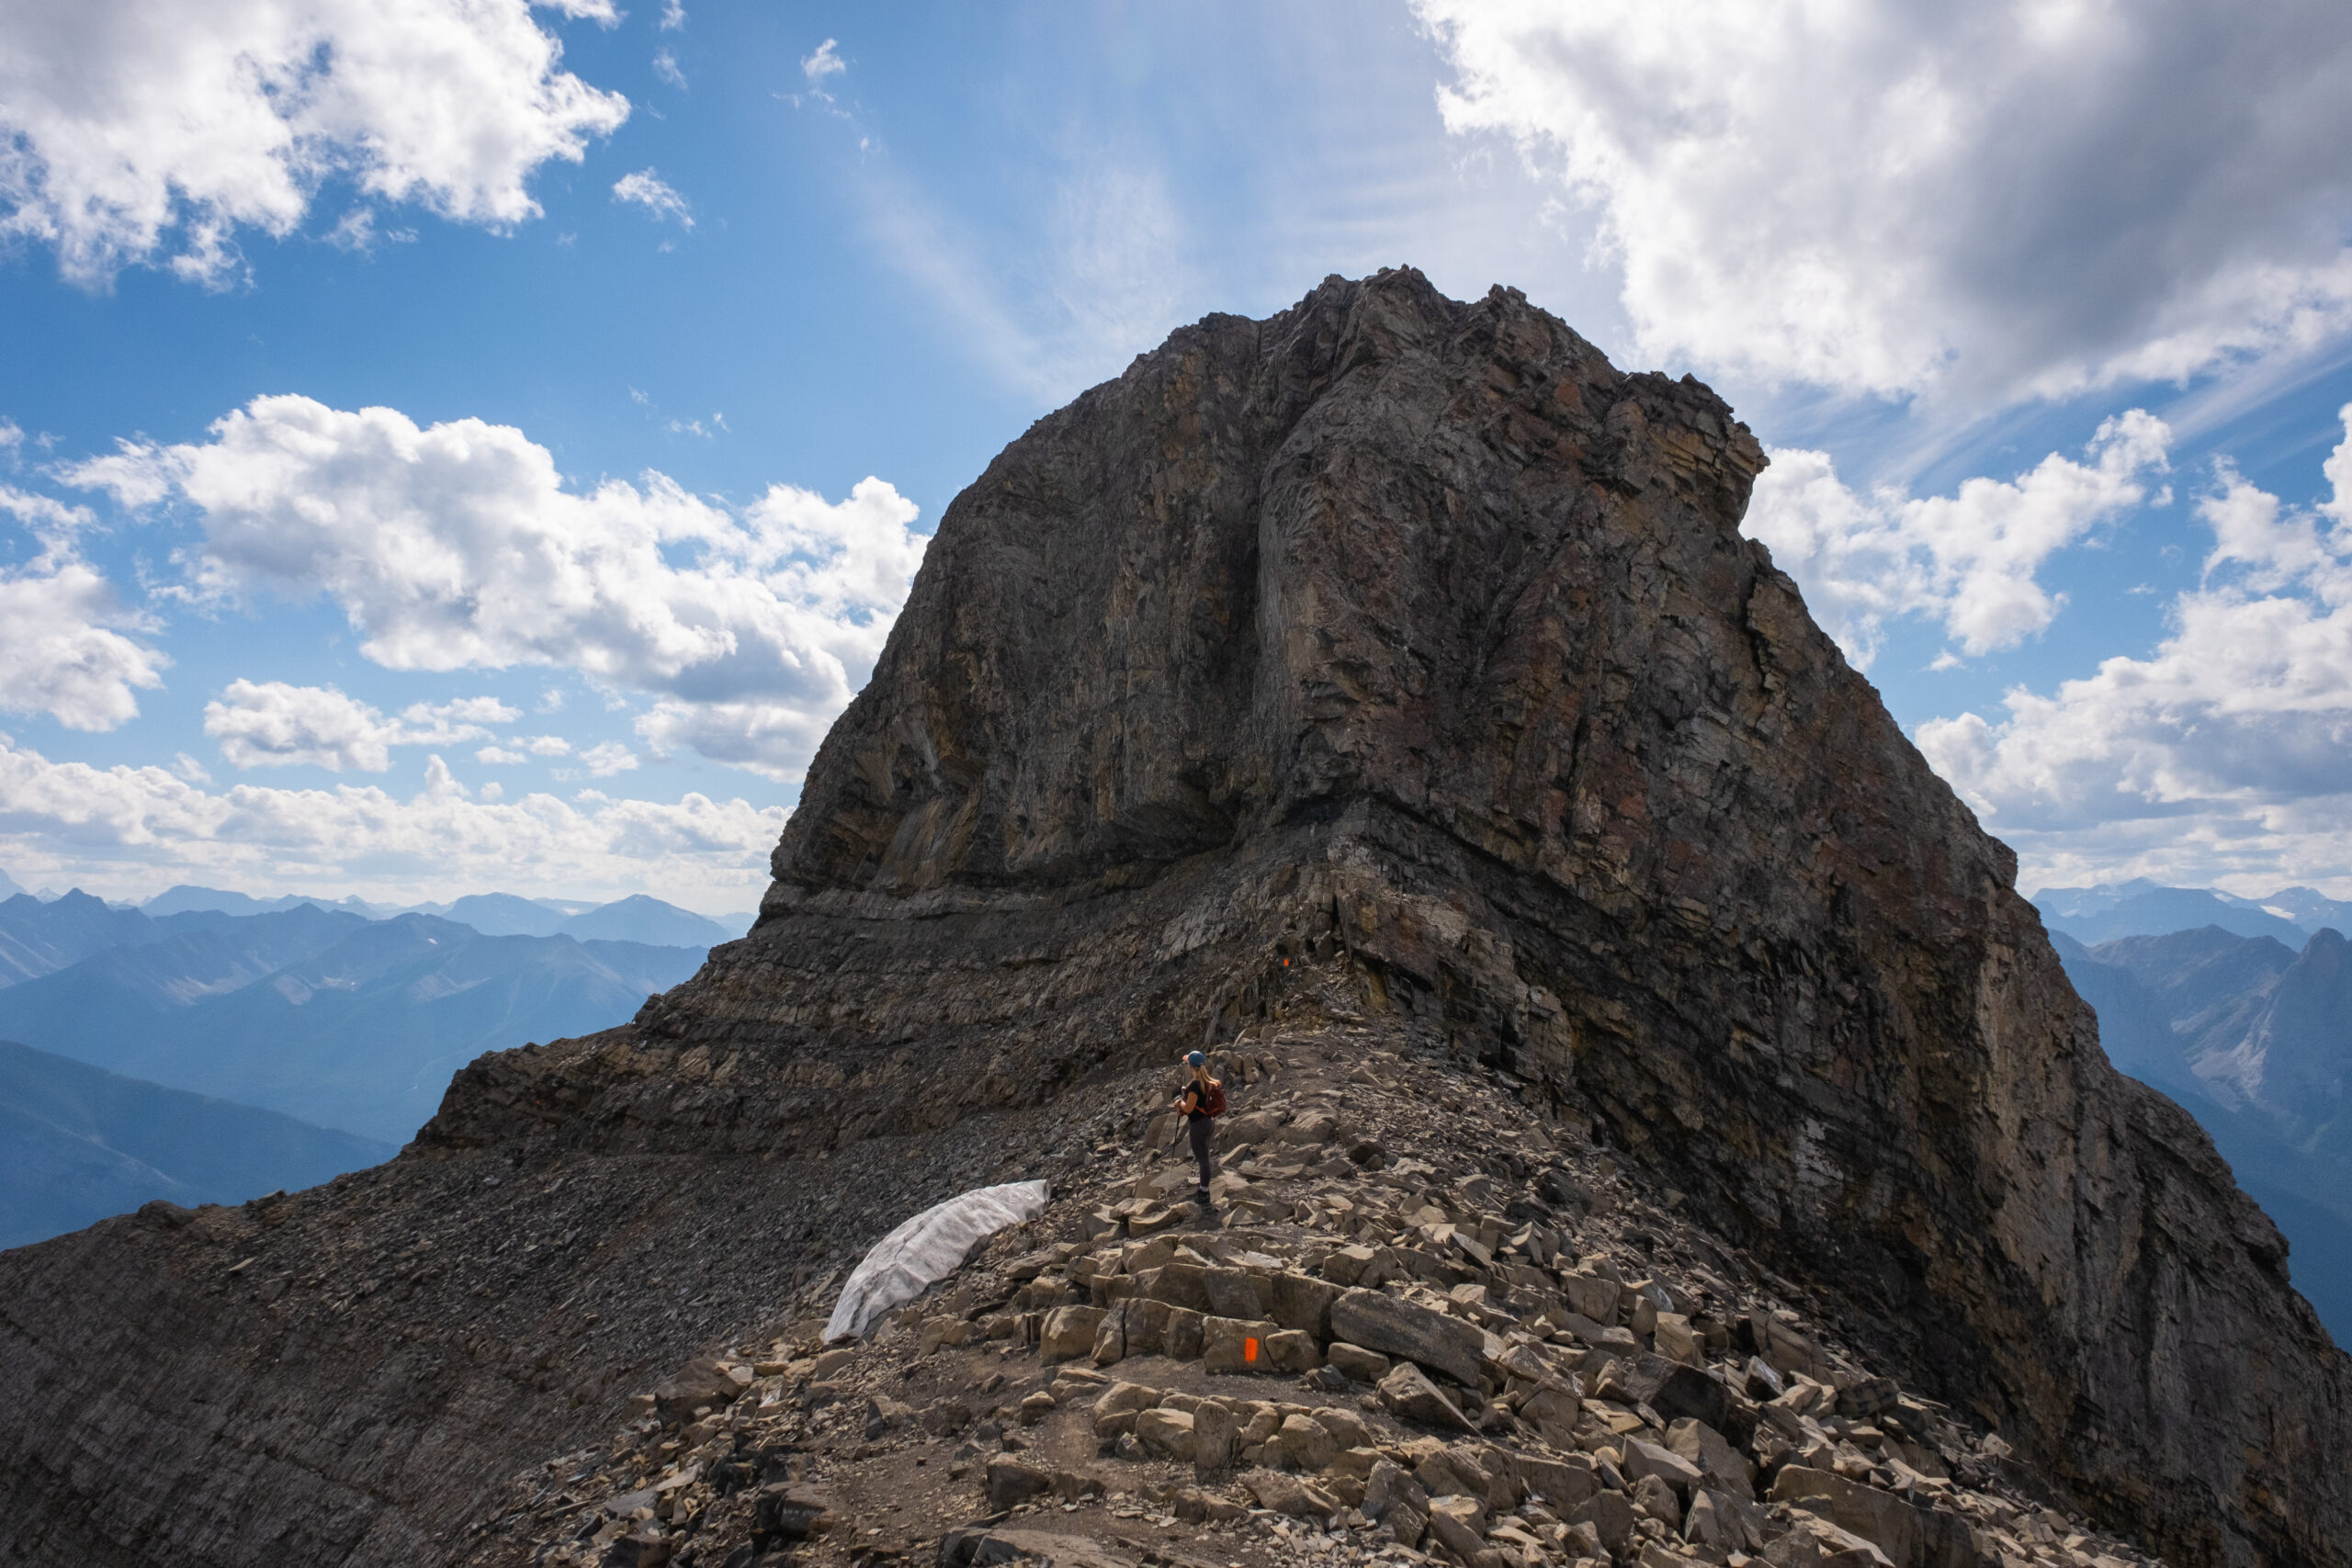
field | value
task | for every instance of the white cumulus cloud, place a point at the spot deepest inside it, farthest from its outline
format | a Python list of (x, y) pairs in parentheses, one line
[(130, 830), (69, 648), (458, 545), (2225, 753), (609, 758), (2002, 200), (140, 132), (1969, 561), (265, 724)]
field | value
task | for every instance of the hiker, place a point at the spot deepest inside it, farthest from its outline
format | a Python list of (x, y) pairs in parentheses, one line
[(1202, 1102)]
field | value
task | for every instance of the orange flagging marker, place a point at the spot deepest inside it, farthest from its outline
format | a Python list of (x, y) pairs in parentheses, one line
[(1250, 1348)]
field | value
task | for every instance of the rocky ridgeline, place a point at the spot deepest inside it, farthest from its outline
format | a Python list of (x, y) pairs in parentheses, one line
[(1468, 1337), (1387, 675)]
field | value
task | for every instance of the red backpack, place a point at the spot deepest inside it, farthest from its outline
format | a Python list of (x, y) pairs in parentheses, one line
[(1213, 1097)]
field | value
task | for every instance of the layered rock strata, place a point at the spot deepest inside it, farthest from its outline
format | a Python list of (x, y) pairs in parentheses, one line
[(1415, 630), (1398, 637)]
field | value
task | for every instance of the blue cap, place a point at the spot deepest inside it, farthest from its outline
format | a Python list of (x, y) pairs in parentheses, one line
[(1196, 1060)]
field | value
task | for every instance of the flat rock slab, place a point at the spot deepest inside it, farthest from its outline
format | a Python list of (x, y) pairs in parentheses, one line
[(1398, 1328), (1911, 1537)]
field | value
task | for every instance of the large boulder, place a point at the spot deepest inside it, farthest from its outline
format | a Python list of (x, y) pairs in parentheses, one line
[(1401, 1329), (1911, 1537), (1167, 1433), (1237, 1344), (1069, 1332), (1720, 1465), (1409, 1394)]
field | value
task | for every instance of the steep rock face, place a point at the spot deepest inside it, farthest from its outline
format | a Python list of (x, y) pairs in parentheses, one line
[(1391, 633), (1416, 628)]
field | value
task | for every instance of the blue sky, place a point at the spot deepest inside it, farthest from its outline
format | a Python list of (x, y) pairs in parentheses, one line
[(453, 447)]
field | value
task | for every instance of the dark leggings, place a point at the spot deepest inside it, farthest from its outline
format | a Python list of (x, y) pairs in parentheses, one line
[(1200, 1129)]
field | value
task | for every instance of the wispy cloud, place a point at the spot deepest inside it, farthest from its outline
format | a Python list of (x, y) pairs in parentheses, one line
[(1106, 278), (826, 61), (270, 724), (649, 191)]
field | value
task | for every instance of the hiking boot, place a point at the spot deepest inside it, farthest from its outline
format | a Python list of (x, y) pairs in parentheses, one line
[(1200, 1196)]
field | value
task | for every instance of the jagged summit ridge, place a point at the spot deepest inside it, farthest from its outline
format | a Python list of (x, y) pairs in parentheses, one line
[(1394, 640), (1166, 619)]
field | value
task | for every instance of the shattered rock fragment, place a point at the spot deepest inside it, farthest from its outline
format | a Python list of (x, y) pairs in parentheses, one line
[(1408, 1391)]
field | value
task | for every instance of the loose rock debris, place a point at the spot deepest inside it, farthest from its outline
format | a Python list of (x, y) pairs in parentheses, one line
[(1393, 1338)]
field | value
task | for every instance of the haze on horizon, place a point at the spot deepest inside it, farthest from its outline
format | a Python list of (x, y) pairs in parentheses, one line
[(484, 447)]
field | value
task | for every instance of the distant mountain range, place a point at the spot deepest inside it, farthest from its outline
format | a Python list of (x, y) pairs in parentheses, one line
[(78, 1144), (2253, 1035), (2141, 908), (250, 1036), (303, 1016), (634, 919), (322, 1014)]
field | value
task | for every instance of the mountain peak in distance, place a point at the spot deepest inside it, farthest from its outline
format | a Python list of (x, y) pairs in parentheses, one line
[(639, 917), (2140, 907)]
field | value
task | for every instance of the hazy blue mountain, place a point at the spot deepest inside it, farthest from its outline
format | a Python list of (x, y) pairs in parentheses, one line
[(2132, 1024), (2287, 1052), (8, 887), (641, 919), (2309, 908), (38, 938), (358, 1024), (2211, 983), (504, 914), (186, 898), (2094, 915), (120, 992), (2255, 1040), (78, 1144)]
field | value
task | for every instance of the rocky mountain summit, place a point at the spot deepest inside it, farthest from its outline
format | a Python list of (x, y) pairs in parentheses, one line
[(1380, 688)]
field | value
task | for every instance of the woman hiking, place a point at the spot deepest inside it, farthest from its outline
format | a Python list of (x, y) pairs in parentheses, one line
[(1202, 1102)]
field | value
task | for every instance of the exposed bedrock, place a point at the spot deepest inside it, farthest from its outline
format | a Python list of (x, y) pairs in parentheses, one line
[(1413, 627), (1391, 632)]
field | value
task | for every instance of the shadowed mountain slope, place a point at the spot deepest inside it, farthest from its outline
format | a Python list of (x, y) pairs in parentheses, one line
[(328, 1017), (78, 1144), (38, 938), (1395, 640), (2257, 1040)]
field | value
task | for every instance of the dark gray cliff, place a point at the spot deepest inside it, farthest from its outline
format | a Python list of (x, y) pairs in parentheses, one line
[(1392, 636), (1416, 628)]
